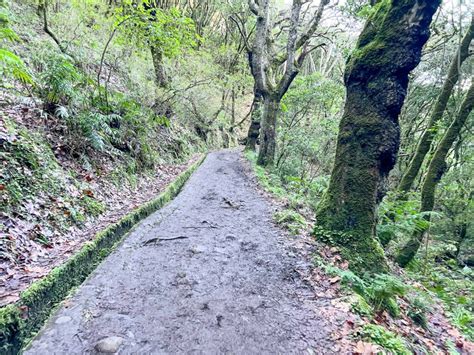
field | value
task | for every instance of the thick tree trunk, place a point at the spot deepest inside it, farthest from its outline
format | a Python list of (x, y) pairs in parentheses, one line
[(426, 139), (266, 153), (436, 169), (254, 129), (366, 151), (376, 79)]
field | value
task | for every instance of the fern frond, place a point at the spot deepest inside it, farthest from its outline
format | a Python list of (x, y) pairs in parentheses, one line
[(12, 65)]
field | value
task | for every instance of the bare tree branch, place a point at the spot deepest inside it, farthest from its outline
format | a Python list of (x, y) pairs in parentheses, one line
[(254, 7)]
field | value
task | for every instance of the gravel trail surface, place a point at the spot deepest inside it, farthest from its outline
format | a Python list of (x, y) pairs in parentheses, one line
[(208, 274)]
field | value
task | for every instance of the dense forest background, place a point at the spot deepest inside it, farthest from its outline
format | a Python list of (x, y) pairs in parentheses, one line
[(103, 99)]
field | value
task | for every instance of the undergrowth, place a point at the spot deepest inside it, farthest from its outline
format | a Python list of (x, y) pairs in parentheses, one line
[(298, 193), (38, 189), (439, 266), (376, 294), (455, 288), (399, 218), (392, 343)]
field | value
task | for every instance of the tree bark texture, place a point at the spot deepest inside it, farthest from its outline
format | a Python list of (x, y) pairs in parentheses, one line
[(255, 119), (161, 79), (267, 150), (376, 80)]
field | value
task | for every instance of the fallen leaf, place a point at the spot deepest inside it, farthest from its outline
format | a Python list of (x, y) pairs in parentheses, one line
[(35, 269), (9, 299), (454, 333), (334, 279), (468, 347), (365, 348), (88, 192)]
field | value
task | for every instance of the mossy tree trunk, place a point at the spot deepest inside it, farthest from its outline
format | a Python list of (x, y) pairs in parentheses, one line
[(376, 80), (436, 169), (267, 150), (161, 107), (161, 79), (426, 139), (463, 235), (254, 128)]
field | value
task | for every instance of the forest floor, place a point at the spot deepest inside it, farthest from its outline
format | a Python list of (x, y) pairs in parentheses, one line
[(22, 259), (208, 273)]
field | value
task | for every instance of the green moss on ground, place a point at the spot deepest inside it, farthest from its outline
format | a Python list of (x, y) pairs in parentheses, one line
[(365, 254), (20, 322)]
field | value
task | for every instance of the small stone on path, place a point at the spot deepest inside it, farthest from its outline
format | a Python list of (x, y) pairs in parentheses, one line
[(109, 345), (62, 320)]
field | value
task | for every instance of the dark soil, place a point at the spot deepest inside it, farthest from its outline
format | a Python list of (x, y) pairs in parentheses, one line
[(209, 273)]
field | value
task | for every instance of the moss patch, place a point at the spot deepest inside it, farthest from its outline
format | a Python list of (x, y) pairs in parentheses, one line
[(20, 322), (364, 252)]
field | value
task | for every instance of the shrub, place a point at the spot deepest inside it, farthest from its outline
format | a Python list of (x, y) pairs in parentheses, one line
[(10, 64), (382, 293), (291, 220), (58, 80), (417, 311), (388, 340)]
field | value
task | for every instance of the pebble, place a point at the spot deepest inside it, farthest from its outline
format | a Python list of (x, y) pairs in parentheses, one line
[(62, 320), (109, 345)]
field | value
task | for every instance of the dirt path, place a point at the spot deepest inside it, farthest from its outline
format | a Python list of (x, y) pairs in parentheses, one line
[(225, 281)]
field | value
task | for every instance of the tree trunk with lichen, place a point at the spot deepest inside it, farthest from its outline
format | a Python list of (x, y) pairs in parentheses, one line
[(161, 107), (376, 80), (426, 139), (255, 119), (266, 153), (436, 170), (266, 61)]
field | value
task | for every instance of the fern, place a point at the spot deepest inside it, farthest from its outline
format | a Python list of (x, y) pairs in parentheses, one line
[(383, 291), (400, 218), (417, 310), (391, 342), (380, 291), (10, 64), (8, 34), (95, 127), (62, 112), (291, 220), (58, 79)]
